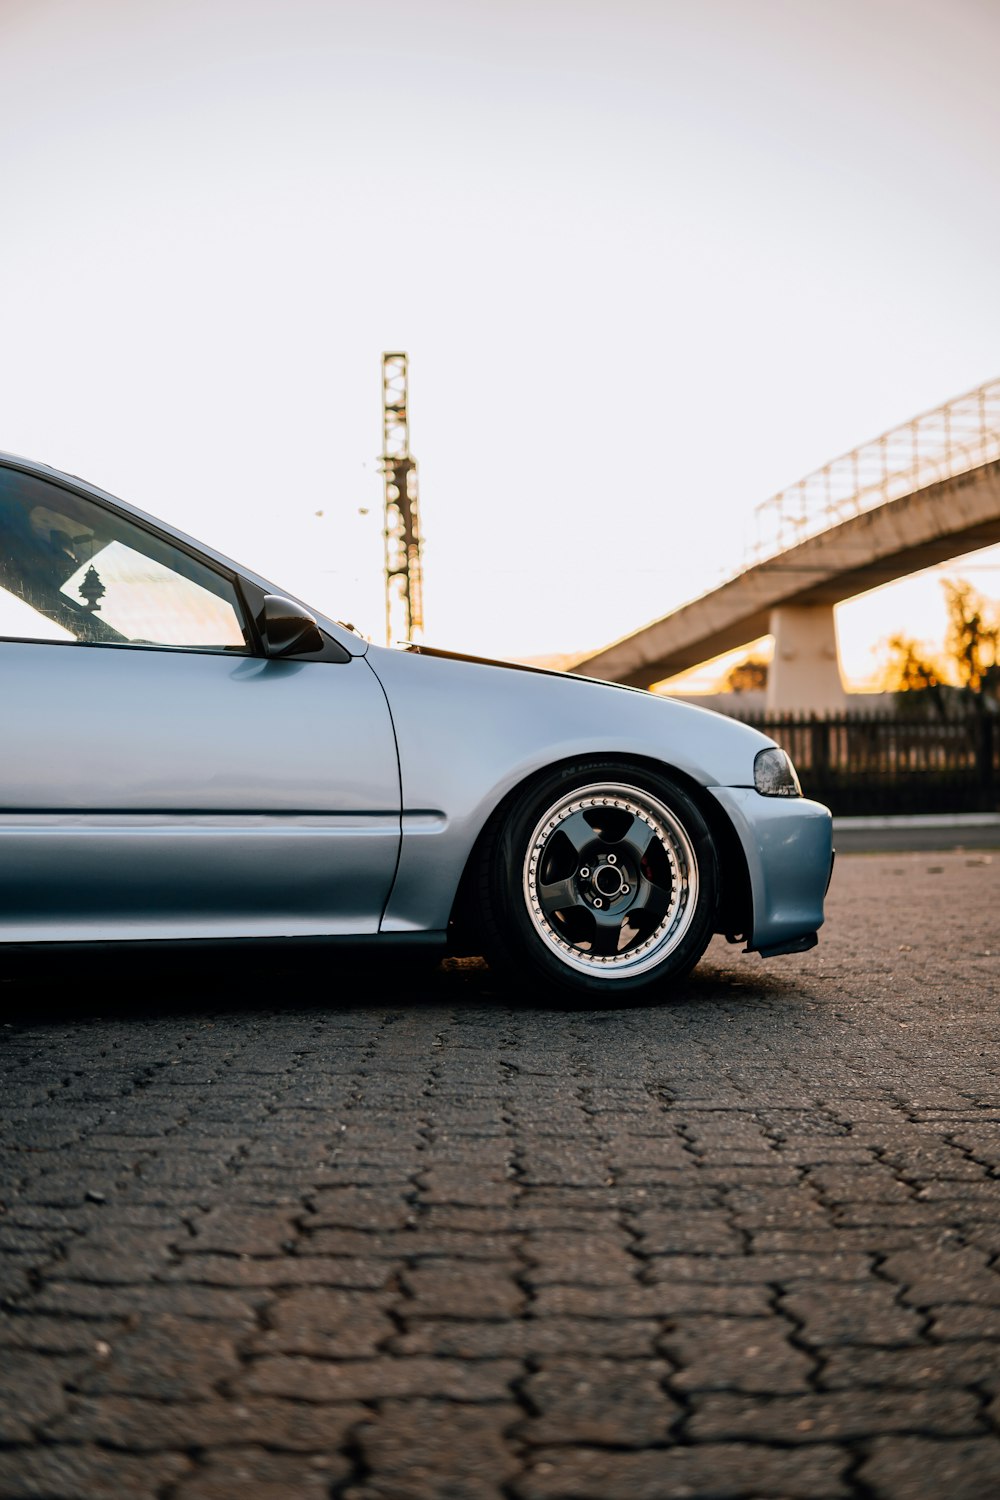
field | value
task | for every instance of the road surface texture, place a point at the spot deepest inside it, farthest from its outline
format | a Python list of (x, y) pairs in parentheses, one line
[(276, 1230)]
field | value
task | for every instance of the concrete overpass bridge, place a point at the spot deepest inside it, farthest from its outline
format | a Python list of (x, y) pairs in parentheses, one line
[(918, 495)]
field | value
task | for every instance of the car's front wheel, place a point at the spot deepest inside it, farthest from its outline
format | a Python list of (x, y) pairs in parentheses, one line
[(602, 879)]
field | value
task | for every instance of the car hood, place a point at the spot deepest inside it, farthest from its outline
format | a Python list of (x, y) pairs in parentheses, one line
[(416, 648)]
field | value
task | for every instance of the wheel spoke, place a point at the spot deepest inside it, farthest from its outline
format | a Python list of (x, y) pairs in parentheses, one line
[(559, 895), (637, 840), (652, 900), (578, 831), (607, 932)]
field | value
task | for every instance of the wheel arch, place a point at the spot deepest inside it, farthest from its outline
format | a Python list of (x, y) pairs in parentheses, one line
[(735, 908)]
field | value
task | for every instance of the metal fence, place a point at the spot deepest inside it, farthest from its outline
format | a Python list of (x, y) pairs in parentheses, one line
[(861, 763)]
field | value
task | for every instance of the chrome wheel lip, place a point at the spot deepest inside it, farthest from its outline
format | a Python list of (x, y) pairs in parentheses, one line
[(676, 843)]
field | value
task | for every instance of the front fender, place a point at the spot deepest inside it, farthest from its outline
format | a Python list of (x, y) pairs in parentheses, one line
[(468, 733)]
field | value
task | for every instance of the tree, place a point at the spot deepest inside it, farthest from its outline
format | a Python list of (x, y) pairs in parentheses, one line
[(971, 656), (747, 676), (973, 640), (908, 670), (912, 677)]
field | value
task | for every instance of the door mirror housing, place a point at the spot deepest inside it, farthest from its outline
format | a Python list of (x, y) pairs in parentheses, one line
[(286, 628)]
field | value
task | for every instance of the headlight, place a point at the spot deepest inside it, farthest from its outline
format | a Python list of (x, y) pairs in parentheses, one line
[(774, 775)]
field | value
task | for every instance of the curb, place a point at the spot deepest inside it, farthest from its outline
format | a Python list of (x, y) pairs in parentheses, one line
[(941, 821)]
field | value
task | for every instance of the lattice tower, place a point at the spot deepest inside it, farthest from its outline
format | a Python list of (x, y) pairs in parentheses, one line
[(404, 611)]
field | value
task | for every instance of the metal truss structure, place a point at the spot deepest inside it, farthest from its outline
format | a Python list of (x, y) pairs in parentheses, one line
[(404, 611), (940, 444)]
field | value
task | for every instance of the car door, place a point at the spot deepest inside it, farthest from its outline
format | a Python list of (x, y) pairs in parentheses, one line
[(159, 776)]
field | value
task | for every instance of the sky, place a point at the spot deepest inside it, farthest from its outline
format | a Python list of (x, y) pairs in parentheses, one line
[(651, 261)]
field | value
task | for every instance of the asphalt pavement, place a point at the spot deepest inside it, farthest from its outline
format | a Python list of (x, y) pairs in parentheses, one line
[(301, 1227)]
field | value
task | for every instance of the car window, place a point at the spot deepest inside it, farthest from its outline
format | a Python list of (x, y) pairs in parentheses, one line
[(72, 570)]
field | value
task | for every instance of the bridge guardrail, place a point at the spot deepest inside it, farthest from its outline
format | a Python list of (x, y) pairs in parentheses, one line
[(937, 445)]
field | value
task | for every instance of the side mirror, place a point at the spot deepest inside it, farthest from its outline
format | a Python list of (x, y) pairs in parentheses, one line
[(286, 628)]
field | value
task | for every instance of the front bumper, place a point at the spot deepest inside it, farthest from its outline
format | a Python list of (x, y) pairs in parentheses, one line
[(788, 844)]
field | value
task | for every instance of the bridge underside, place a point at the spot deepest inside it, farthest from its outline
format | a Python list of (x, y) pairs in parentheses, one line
[(888, 542)]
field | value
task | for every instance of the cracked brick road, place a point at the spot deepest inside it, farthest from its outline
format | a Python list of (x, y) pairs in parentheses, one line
[(431, 1240)]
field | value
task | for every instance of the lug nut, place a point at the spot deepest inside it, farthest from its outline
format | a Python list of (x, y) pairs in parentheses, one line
[(585, 872), (612, 859), (598, 901), (624, 890)]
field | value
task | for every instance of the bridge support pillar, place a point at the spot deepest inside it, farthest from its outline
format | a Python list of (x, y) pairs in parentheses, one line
[(804, 675)]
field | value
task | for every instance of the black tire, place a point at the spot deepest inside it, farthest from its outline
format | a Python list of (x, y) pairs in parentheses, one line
[(601, 881)]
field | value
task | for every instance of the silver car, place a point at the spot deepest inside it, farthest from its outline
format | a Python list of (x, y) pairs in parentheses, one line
[(188, 753)]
